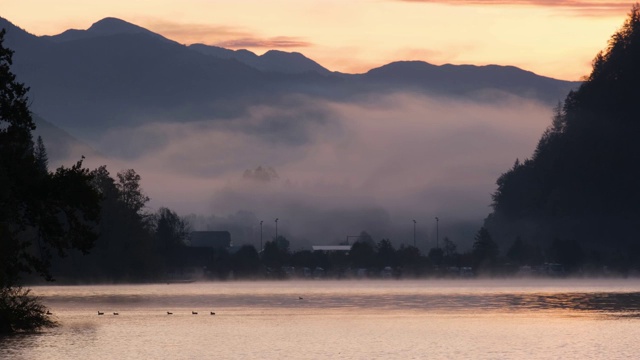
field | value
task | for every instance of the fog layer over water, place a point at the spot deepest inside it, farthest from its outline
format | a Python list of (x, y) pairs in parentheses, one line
[(542, 319), (371, 164)]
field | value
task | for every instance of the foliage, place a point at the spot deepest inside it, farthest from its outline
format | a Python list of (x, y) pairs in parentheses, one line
[(582, 180), (20, 311), (246, 262), (485, 250), (41, 157), (40, 212), (386, 254)]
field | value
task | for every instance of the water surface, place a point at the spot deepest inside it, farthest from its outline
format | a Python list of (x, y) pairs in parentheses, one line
[(475, 319)]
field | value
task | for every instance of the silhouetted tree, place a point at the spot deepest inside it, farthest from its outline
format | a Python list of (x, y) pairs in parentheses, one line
[(362, 254), (386, 253), (450, 256), (130, 192), (581, 181), (42, 159), (246, 262), (40, 212), (436, 256), (568, 253), (485, 250)]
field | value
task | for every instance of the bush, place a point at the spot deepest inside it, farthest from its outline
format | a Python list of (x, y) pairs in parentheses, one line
[(22, 312)]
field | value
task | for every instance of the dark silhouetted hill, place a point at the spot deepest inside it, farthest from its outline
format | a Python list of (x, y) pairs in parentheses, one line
[(271, 61), (119, 74), (467, 79), (582, 183)]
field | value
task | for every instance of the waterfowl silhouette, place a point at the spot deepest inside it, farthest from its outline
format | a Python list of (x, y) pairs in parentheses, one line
[(194, 313), (49, 312), (115, 313), (100, 313), (169, 313), (212, 313), (299, 297)]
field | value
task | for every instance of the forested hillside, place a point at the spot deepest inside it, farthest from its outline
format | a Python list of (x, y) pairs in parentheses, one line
[(580, 187)]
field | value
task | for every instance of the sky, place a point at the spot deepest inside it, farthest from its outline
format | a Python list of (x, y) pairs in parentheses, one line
[(373, 163), (555, 38)]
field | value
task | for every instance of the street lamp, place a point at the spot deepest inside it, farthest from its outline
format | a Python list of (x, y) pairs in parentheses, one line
[(276, 228), (414, 233), (260, 235), (437, 233)]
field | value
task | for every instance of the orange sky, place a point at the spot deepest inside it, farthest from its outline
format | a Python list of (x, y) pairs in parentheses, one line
[(552, 38)]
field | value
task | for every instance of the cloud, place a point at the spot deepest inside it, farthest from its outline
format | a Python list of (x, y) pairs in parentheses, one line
[(277, 42), (343, 167), (224, 36), (584, 7)]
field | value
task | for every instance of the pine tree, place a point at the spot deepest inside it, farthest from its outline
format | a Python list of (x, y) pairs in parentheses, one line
[(40, 153)]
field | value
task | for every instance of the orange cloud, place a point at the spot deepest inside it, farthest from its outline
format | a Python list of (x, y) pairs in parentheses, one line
[(225, 36), (584, 7), (255, 42)]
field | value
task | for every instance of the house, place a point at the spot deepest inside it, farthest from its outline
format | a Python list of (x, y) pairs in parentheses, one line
[(328, 248)]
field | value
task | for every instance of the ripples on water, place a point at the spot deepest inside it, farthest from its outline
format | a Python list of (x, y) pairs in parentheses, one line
[(350, 320)]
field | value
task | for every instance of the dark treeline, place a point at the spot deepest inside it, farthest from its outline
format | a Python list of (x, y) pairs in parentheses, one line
[(132, 244), (578, 194)]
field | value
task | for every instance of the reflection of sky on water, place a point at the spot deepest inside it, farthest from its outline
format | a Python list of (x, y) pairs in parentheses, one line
[(479, 319), (610, 297)]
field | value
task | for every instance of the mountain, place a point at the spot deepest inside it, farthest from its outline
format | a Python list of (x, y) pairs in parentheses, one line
[(467, 79), (119, 74), (271, 61), (105, 27), (579, 191)]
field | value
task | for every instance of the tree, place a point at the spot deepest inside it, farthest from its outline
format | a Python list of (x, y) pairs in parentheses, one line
[(450, 252), (436, 255), (171, 231), (40, 153), (582, 180), (386, 253), (246, 262), (130, 191), (362, 254), (40, 212), (485, 250)]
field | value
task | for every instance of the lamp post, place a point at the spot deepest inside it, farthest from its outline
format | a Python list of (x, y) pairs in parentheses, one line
[(414, 233), (437, 233), (276, 228), (260, 235)]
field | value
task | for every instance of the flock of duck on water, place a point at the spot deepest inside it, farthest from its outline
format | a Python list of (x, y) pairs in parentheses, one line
[(115, 313), (168, 312)]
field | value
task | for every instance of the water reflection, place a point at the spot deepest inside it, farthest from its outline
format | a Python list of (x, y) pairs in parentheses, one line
[(346, 320), (388, 296)]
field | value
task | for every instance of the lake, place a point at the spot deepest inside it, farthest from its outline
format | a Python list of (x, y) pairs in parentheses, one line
[(434, 319)]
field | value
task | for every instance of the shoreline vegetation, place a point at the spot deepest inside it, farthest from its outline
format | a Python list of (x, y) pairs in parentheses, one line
[(86, 226)]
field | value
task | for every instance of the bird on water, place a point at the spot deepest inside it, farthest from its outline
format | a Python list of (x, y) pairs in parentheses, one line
[(169, 313), (100, 313), (194, 313)]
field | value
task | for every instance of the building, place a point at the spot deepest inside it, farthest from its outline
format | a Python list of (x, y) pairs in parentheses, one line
[(327, 248)]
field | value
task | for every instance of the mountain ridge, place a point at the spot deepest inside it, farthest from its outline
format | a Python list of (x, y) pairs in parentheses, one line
[(116, 73)]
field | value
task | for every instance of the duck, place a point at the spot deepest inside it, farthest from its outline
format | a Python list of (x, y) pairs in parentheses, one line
[(169, 313), (100, 313), (194, 313), (299, 297), (213, 313), (115, 313), (49, 312)]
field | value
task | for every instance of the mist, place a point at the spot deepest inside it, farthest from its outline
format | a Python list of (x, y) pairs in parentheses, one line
[(372, 164)]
